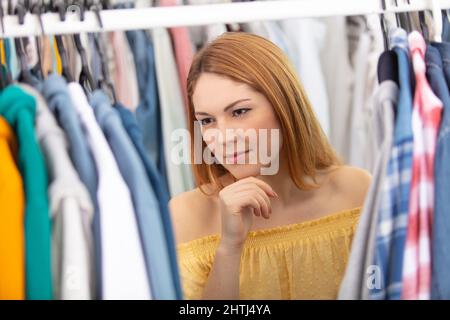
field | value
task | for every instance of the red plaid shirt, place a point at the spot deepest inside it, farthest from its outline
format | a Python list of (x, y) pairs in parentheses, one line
[(426, 118)]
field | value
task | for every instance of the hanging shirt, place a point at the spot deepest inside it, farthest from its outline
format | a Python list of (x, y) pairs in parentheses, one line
[(307, 37), (125, 81), (145, 203), (184, 52), (56, 94), (339, 79), (12, 203), (123, 265), (359, 153), (393, 213), (358, 268), (440, 279), (71, 211), (426, 119), (131, 126), (148, 113), (178, 170), (19, 109)]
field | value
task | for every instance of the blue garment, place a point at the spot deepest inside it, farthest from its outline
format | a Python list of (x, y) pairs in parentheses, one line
[(394, 206), (131, 126), (444, 50), (440, 277), (55, 92), (146, 207), (148, 114)]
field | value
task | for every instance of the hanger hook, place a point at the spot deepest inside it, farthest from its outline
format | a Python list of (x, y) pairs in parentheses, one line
[(61, 8), (20, 11), (38, 8)]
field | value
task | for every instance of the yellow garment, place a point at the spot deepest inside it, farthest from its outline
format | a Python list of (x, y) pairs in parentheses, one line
[(2, 52), (306, 260), (57, 57), (12, 273)]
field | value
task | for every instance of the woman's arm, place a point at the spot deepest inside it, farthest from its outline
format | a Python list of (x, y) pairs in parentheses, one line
[(223, 280)]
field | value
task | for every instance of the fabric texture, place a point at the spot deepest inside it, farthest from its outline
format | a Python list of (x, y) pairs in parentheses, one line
[(298, 261), (57, 96), (427, 112), (71, 210), (145, 204), (123, 264), (354, 283), (179, 173), (440, 280), (393, 214), (133, 131), (19, 109)]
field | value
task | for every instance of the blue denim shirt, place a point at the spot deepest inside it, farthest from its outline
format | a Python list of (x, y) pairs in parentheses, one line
[(146, 206), (440, 277), (131, 126)]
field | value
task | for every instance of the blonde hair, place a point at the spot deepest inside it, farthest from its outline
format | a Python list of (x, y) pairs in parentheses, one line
[(259, 63)]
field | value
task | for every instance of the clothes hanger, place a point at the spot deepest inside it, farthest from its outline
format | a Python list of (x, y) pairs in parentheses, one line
[(37, 8), (25, 75), (86, 80), (383, 24), (437, 20), (423, 26), (60, 7), (104, 82), (407, 23)]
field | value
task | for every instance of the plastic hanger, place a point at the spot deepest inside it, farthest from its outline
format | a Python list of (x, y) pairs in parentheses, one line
[(437, 20), (383, 24)]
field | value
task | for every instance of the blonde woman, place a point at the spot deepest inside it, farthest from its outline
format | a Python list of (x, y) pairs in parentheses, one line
[(242, 234)]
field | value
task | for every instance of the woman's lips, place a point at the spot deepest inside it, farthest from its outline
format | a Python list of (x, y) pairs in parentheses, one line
[(233, 158)]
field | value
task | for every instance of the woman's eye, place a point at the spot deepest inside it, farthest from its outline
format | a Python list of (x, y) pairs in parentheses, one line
[(205, 121), (240, 112)]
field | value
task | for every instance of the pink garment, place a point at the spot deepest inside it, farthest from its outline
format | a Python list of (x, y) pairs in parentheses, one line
[(426, 117), (124, 75), (183, 52)]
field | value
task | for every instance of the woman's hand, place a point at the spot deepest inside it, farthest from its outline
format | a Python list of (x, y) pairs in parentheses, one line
[(238, 203)]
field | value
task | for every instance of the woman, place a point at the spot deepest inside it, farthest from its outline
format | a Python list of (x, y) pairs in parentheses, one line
[(244, 234)]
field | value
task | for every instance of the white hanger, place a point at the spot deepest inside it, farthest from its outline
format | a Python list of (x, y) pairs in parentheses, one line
[(437, 20)]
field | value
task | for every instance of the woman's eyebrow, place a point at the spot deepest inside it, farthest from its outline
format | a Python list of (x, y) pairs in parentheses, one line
[(225, 109)]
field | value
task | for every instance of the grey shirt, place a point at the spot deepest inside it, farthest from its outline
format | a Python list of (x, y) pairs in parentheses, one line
[(354, 283)]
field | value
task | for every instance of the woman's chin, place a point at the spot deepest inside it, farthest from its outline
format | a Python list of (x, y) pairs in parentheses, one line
[(241, 171)]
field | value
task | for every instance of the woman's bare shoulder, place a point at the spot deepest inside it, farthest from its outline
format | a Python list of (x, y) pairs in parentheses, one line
[(193, 214), (351, 184)]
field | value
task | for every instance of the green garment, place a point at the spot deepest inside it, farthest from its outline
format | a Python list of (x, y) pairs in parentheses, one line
[(19, 109)]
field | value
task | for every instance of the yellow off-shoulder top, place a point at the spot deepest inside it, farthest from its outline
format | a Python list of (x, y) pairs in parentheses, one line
[(305, 260)]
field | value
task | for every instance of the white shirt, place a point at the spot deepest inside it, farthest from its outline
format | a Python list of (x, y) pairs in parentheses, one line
[(123, 267), (307, 37), (339, 82), (173, 112)]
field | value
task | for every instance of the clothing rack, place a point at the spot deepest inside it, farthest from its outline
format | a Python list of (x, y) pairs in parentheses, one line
[(191, 15)]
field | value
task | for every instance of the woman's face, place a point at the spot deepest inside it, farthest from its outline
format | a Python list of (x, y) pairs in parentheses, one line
[(232, 118)]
